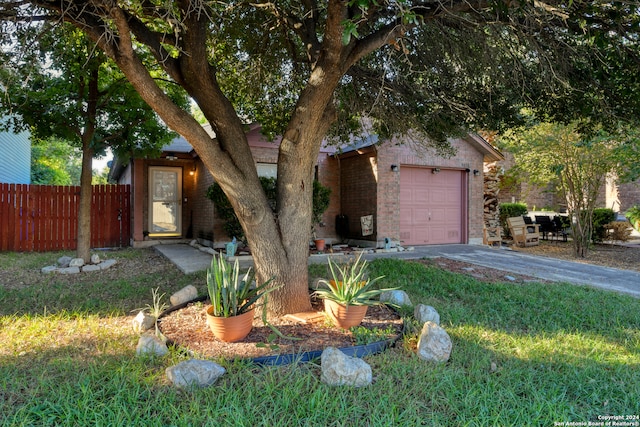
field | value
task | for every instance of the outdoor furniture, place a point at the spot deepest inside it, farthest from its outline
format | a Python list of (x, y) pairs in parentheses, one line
[(520, 232), (492, 236), (546, 226), (561, 227)]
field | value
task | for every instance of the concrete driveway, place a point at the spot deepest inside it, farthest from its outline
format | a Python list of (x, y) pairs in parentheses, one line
[(190, 260)]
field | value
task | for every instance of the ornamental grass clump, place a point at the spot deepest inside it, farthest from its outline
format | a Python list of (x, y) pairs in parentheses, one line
[(231, 294), (350, 284)]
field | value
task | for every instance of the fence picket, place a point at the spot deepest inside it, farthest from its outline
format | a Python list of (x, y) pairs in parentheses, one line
[(45, 218)]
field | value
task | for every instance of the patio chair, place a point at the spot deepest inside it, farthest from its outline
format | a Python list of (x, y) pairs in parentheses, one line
[(546, 226), (561, 227), (492, 236), (521, 234)]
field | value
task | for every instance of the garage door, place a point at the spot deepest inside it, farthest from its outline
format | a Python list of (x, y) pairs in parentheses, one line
[(431, 206)]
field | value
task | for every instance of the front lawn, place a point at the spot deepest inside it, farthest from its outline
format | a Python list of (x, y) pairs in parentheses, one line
[(523, 354)]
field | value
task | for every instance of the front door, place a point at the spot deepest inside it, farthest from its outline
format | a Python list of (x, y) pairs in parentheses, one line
[(165, 195)]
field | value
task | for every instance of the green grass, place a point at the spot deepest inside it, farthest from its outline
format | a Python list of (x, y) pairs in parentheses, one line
[(523, 354)]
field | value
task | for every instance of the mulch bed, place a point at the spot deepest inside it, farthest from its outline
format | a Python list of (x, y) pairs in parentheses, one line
[(187, 328)]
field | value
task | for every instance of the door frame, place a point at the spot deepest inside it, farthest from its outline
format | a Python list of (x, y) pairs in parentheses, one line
[(178, 200)]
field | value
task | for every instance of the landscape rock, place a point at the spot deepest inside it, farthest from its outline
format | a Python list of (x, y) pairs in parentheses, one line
[(150, 344), (143, 322), (64, 261), (90, 267), (510, 278), (95, 259), (108, 263), (208, 250), (434, 344), (194, 373), (49, 269), (395, 297), (340, 369), (76, 262), (185, 294), (426, 313), (69, 270)]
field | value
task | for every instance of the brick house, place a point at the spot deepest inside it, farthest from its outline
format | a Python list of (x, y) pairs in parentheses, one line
[(613, 195), (405, 195)]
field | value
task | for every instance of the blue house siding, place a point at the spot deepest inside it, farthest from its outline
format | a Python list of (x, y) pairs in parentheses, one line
[(15, 158)]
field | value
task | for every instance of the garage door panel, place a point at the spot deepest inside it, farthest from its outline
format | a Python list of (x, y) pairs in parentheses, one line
[(430, 206)]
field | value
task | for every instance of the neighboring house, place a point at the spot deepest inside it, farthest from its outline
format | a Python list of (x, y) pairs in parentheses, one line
[(15, 158), (378, 191), (612, 195)]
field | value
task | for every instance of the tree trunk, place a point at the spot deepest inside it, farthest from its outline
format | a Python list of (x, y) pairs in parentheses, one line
[(83, 249), (279, 243)]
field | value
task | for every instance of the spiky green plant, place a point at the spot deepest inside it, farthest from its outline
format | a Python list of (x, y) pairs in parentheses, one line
[(350, 285), (231, 294)]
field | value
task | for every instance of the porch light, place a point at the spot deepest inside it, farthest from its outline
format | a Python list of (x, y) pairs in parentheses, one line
[(435, 170), (192, 172), (394, 168), (476, 172)]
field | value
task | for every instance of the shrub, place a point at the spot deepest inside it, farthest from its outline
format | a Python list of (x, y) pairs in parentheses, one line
[(633, 215), (232, 225), (601, 216), (618, 231), (509, 210)]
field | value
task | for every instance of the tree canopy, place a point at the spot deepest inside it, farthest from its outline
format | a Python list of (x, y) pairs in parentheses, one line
[(306, 69), (577, 163), (62, 87)]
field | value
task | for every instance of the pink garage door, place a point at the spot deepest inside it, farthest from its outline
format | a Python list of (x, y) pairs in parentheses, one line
[(431, 206)]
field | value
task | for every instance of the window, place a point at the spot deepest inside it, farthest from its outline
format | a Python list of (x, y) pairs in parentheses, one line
[(269, 170)]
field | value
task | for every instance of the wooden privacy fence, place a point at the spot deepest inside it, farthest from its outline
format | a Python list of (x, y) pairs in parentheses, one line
[(45, 217)]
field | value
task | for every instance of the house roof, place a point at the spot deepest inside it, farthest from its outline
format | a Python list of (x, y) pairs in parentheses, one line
[(491, 154)]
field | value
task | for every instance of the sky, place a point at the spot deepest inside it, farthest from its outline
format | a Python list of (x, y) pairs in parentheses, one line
[(100, 164)]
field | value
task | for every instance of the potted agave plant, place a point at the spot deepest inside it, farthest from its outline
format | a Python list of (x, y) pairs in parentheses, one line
[(349, 293), (233, 299)]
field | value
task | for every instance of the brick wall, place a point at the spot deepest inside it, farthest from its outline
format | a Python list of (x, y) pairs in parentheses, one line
[(203, 215), (466, 157), (359, 191), (369, 186), (329, 176)]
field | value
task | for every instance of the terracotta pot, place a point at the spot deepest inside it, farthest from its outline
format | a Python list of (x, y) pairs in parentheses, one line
[(345, 316), (320, 244), (230, 329)]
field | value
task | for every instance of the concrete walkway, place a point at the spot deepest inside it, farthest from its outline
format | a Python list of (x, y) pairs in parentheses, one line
[(190, 260)]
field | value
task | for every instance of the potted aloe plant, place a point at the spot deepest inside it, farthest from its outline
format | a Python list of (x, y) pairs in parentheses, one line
[(233, 299), (349, 293)]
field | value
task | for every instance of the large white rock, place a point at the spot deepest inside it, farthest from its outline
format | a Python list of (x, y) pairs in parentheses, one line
[(194, 373), (185, 294), (143, 322), (340, 369), (95, 259), (426, 313), (434, 344), (149, 344), (49, 269), (64, 261), (107, 263), (76, 262), (396, 297)]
